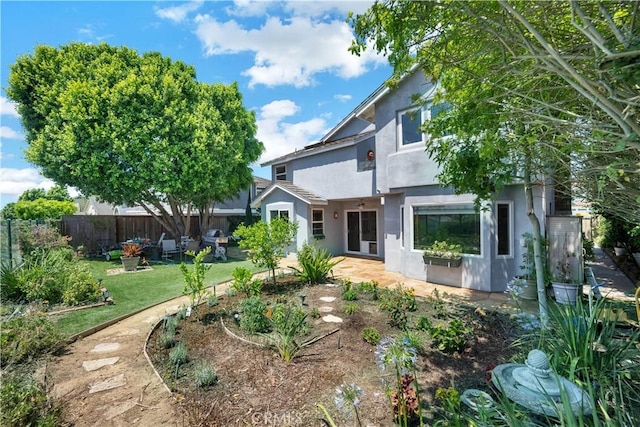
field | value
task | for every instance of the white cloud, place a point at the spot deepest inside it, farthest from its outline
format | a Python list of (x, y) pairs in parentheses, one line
[(8, 108), (287, 53), (317, 8), (178, 13), (8, 133), (342, 98), (311, 8), (14, 182), (281, 137)]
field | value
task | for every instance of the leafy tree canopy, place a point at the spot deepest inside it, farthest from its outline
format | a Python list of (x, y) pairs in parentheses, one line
[(557, 82), (134, 129)]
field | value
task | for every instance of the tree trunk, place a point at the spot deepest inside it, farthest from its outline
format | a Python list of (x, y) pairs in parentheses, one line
[(537, 246)]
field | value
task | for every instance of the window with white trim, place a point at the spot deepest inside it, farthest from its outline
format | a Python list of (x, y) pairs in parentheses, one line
[(317, 223), (281, 173), (278, 214), (410, 122), (504, 229), (455, 223)]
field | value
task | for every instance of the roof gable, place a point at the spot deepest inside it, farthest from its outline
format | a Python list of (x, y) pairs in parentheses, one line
[(300, 193)]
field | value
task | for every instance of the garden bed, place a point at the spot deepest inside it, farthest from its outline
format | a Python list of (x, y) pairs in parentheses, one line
[(255, 386)]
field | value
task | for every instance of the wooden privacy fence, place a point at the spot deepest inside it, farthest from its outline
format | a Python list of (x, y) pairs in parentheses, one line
[(100, 232)]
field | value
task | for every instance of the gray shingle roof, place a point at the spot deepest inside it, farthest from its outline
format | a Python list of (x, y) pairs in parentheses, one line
[(305, 195)]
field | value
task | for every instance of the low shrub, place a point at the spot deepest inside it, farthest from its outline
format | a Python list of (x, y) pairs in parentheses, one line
[(450, 337), (166, 339), (253, 319), (350, 308), (242, 282), (205, 374), (178, 354), (371, 335), (397, 302), (28, 337), (349, 292), (25, 403)]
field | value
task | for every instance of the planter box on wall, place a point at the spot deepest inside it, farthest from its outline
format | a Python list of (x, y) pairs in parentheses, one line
[(446, 262)]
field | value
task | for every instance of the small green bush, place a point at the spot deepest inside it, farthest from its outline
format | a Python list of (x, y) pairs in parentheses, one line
[(414, 339), (350, 308), (166, 340), (315, 313), (253, 318), (178, 354), (349, 292), (451, 337), (371, 335), (242, 282), (23, 338), (371, 287), (212, 300), (397, 302), (205, 374), (25, 403), (171, 325)]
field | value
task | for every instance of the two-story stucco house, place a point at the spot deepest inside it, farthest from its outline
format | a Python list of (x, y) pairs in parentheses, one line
[(368, 188)]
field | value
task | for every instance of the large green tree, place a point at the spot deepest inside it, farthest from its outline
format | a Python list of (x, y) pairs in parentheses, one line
[(134, 129), (36, 203), (537, 88)]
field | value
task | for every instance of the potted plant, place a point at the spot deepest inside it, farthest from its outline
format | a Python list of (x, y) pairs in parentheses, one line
[(564, 288), (443, 253), (131, 256)]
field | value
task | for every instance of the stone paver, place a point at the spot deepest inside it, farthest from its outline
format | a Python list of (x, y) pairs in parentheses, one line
[(105, 347), (325, 309), (92, 365), (108, 384), (327, 299), (330, 318)]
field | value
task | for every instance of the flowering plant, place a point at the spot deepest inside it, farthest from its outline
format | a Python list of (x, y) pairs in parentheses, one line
[(131, 250), (515, 287), (443, 249)]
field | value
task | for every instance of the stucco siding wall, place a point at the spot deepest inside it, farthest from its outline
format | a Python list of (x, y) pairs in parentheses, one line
[(407, 166), (333, 175)]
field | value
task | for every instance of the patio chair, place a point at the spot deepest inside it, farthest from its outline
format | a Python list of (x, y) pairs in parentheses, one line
[(170, 248)]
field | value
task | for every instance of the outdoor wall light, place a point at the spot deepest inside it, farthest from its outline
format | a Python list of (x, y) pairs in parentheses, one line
[(335, 215)]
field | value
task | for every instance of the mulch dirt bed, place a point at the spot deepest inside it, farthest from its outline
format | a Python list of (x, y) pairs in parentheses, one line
[(256, 387)]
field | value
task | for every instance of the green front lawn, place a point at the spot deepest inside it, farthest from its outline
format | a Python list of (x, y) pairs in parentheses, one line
[(132, 291)]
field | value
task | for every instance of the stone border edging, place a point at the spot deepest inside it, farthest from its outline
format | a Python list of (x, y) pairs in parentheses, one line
[(73, 338)]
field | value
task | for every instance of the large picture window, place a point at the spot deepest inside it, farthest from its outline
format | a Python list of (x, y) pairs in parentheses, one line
[(458, 224)]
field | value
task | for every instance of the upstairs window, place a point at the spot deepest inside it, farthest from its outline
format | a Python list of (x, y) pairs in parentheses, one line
[(411, 120), (279, 214), (281, 173)]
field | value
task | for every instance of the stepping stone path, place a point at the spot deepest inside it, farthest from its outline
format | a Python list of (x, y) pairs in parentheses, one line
[(103, 348), (327, 309)]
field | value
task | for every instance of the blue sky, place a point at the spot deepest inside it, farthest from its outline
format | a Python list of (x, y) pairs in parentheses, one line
[(290, 60)]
